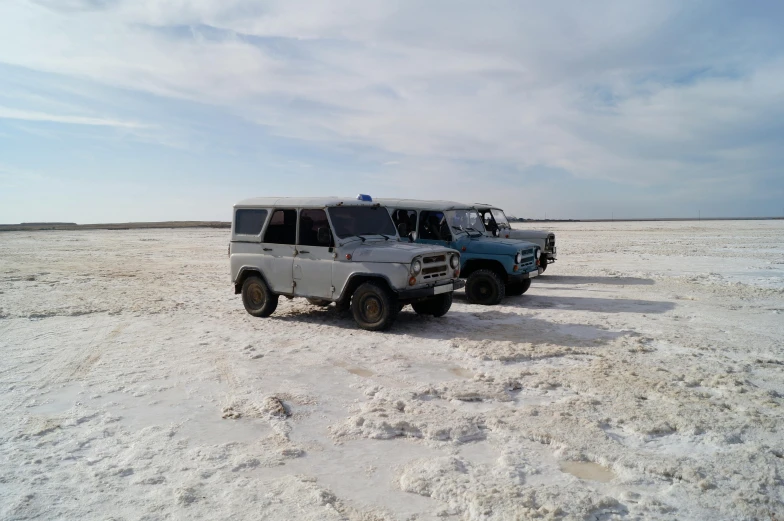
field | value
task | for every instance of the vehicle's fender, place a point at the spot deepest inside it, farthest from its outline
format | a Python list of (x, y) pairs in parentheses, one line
[(241, 275)]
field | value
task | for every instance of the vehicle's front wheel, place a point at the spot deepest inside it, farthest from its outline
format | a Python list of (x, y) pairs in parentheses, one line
[(257, 298), (543, 264), (518, 288), (373, 307), (436, 306), (485, 287)]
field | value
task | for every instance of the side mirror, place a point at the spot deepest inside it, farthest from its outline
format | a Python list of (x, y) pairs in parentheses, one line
[(323, 236), (413, 236), (497, 232), (402, 229)]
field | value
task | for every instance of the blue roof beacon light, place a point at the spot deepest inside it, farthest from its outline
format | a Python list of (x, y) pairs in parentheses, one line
[(364, 197)]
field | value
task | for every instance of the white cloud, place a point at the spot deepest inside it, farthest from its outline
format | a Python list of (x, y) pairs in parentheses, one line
[(639, 93), (27, 115)]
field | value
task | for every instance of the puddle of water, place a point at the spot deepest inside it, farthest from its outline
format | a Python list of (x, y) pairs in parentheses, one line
[(587, 470), (364, 373), (462, 373), (359, 371)]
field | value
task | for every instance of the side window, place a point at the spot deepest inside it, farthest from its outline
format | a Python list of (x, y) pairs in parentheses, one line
[(489, 222), (249, 222), (407, 217), (309, 223), (282, 228), (433, 226)]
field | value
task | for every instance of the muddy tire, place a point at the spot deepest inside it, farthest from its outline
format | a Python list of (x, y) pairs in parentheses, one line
[(485, 287), (374, 307), (318, 302), (257, 298), (518, 288)]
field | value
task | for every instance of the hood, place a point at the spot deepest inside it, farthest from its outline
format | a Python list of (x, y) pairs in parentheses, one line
[(494, 246), (390, 251), (525, 234)]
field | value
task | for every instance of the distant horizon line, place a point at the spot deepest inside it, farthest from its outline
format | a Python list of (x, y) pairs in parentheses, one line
[(65, 226)]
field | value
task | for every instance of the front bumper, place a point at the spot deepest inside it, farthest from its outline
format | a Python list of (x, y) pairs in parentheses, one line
[(520, 277), (429, 291)]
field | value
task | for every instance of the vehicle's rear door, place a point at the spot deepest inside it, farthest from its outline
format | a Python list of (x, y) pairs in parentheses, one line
[(313, 259), (278, 248)]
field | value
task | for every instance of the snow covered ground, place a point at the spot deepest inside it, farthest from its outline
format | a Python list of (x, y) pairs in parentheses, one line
[(641, 378)]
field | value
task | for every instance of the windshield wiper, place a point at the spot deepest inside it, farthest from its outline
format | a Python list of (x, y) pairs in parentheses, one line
[(477, 231)]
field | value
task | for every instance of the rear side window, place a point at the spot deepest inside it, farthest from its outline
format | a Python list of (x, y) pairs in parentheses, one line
[(407, 217), (282, 228), (309, 223), (249, 222)]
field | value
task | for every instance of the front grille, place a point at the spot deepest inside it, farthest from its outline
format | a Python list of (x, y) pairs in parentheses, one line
[(434, 267), (529, 260), (434, 258)]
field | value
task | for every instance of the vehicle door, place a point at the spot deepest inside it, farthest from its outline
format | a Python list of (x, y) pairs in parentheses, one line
[(278, 248), (489, 221), (314, 255), (433, 228)]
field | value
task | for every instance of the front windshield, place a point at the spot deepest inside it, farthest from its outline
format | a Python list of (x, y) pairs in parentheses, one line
[(500, 218), (351, 221), (465, 220)]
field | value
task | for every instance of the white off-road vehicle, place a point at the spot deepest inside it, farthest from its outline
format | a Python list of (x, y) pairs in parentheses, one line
[(345, 251), (497, 225)]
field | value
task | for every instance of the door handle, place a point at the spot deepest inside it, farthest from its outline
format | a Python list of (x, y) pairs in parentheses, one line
[(267, 249), (303, 251)]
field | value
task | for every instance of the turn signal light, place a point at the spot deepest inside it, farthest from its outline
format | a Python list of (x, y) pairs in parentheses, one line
[(515, 268), (412, 281), (457, 273), (348, 256), (464, 248)]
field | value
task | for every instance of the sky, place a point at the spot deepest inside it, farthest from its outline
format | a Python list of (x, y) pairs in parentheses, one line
[(144, 110)]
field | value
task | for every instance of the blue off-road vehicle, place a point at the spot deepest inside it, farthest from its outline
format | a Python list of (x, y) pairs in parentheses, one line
[(493, 267)]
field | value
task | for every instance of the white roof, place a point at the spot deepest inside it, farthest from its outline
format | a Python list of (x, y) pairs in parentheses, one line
[(302, 202), (418, 204), (485, 205)]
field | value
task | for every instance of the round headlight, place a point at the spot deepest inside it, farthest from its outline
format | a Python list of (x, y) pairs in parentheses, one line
[(538, 253), (416, 267), (519, 258), (454, 261)]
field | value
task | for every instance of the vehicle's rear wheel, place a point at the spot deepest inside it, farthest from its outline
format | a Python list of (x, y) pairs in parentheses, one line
[(257, 298), (318, 302), (518, 288), (485, 287), (373, 307)]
